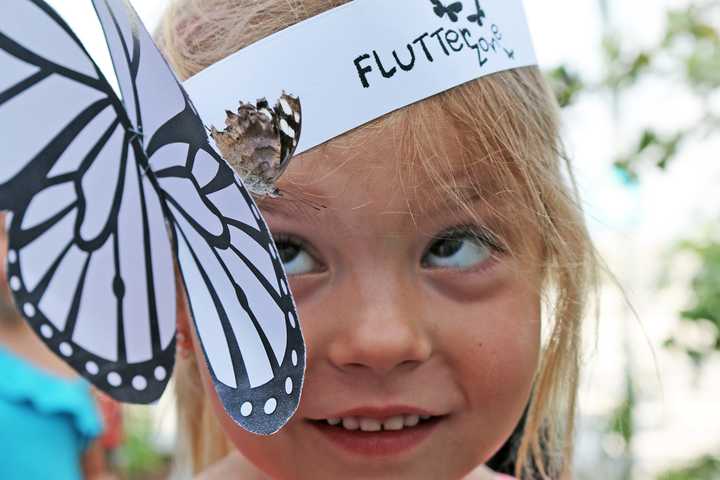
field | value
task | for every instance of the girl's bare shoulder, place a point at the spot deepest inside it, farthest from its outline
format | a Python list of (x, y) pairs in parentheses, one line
[(484, 473), (232, 466)]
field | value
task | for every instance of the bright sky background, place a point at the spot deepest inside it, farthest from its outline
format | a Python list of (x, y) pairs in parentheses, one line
[(633, 228)]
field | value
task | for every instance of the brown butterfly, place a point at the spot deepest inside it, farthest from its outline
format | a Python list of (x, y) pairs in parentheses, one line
[(258, 142)]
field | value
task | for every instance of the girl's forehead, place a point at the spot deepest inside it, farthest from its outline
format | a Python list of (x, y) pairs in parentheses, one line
[(378, 182), (388, 160)]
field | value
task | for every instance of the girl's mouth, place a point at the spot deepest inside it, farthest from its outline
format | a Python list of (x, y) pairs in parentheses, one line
[(374, 437)]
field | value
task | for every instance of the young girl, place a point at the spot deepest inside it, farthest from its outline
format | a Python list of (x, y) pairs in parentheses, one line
[(441, 288)]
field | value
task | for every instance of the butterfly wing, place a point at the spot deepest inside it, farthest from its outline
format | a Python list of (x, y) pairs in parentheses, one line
[(289, 122), (89, 260), (439, 8), (453, 10), (237, 290)]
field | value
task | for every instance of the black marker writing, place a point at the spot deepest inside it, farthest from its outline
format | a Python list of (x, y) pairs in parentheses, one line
[(385, 73), (441, 41), (363, 71), (406, 66), (421, 39)]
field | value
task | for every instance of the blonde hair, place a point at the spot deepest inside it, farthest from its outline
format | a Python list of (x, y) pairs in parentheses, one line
[(514, 125)]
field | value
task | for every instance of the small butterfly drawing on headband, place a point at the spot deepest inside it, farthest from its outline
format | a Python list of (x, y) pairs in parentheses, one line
[(478, 16), (259, 142), (451, 10)]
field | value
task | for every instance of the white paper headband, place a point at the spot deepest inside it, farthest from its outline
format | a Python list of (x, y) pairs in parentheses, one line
[(357, 62)]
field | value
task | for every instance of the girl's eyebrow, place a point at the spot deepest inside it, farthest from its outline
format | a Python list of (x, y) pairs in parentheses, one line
[(292, 205), (308, 204)]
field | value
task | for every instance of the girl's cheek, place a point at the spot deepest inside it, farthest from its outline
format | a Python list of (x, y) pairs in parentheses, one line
[(305, 287), (496, 356)]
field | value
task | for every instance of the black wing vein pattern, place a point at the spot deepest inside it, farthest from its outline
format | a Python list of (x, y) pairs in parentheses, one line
[(79, 265), (97, 186)]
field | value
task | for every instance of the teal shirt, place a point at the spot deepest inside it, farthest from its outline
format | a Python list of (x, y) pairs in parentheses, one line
[(46, 422)]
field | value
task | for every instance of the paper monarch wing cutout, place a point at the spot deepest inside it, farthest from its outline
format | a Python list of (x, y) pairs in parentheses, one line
[(95, 186)]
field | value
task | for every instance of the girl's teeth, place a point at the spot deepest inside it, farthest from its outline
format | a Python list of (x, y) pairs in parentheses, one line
[(373, 425), (411, 420), (350, 423), (370, 425), (394, 423)]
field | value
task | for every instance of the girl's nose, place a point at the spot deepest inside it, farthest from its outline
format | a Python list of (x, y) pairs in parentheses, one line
[(383, 325)]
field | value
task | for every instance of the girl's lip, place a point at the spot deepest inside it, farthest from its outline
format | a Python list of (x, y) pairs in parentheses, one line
[(377, 444)]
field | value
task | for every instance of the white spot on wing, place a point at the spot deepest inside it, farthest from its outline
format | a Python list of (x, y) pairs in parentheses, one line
[(46, 331), (92, 368), (66, 349), (29, 310), (286, 129), (160, 374), (270, 406), (114, 379), (139, 383), (288, 385), (285, 106)]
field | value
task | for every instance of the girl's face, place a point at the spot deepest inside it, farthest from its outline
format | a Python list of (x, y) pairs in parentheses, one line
[(409, 308)]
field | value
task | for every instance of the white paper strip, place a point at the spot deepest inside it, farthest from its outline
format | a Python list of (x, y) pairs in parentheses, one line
[(367, 58)]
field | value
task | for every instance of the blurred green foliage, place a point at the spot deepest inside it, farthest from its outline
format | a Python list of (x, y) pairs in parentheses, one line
[(138, 457), (687, 58), (704, 309), (621, 420), (688, 54), (705, 468)]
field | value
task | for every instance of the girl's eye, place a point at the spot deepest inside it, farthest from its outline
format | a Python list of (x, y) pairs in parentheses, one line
[(294, 256), (459, 248)]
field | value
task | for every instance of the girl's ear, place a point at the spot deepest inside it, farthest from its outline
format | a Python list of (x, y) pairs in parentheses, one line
[(183, 336)]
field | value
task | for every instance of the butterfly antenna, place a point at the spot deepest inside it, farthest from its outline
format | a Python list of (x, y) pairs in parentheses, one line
[(304, 201)]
